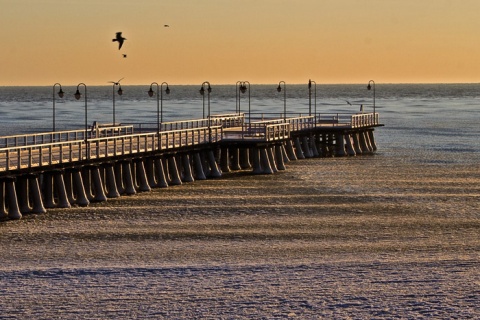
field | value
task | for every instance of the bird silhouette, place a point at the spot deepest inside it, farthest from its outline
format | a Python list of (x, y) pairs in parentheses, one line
[(166, 26), (116, 83), (120, 39)]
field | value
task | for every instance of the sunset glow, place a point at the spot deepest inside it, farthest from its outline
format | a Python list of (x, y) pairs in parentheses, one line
[(222, 41)]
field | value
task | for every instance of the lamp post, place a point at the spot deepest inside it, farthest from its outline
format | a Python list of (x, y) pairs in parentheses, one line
[(60, 94), (238, 86), (243, 88), (369, 87), (310, 99), (202, 92), (159, 101), (77, 96), (279, 89), (120, 92)]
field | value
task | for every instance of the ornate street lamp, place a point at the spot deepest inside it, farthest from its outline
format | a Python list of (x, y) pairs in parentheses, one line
[(279, 89), (159, 101), (202, 92), (60, 94), (77, 96), (120, 92), (310, 99), (243, 88), (369, 87)]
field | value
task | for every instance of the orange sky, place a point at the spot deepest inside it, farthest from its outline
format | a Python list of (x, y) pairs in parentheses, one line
[(222, 41)]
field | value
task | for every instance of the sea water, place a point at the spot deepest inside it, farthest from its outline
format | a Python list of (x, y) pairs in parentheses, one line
[(394, 235)]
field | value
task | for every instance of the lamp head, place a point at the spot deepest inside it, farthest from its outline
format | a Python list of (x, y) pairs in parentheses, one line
[(77, 95), (279, 88), (309, 84), (243, 88), (209, 89), (167, 90), (202, 90), (60, 93), (150, 92), (120, 91), (369, 87)]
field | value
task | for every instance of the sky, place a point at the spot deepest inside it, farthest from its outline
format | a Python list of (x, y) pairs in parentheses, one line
[(225, 41)]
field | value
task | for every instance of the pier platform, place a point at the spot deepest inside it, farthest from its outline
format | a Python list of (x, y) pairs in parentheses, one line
[(74, 168)]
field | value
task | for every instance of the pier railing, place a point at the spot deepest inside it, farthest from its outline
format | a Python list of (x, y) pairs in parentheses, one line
[(62, 136), (48, 154), (224, 120)]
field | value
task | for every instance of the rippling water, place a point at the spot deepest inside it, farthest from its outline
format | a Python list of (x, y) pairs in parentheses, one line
[(393, 235)]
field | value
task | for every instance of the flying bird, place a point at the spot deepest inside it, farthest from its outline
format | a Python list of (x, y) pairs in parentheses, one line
[(120, 39), (116, 83), (166, 26), (124, 55), (348, 102)]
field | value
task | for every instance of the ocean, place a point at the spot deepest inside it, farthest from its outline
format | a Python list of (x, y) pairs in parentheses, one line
[(393, 235)]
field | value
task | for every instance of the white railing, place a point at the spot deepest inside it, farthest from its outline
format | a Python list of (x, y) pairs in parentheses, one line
[(35, 156), (364, 120), (225, 120), (62, 136)]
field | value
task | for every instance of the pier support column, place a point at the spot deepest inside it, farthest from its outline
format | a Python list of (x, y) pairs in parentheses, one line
[(59, 185), (363, 142), (29, 195), (225, 160), (160, 173), (3, 209), (271, 158), (279, 156), (11, 199), (257, 167), (356, 143), (265, 161), (372, 140), (244, 155), (298, 149), (21, 187), (350, 149), (198, 167), (36, 195), (339, 145), (141, 176), (78, 188), (313, 146), (110, 182), (290, 151), (214, 172), (187, 168), (235, 159), (98, 189), (173, 170), (306, 147), (127, 178)]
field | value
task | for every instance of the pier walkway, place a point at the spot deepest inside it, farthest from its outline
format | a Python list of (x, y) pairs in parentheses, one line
[(61, 169)]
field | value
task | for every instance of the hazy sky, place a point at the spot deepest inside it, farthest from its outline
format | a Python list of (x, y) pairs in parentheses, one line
[(222, 41)]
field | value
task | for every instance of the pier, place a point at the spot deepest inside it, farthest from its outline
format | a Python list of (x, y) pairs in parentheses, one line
[(74, 168)]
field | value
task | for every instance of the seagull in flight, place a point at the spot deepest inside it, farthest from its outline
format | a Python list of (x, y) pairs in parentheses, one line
[(116, 83), (120, 39)]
